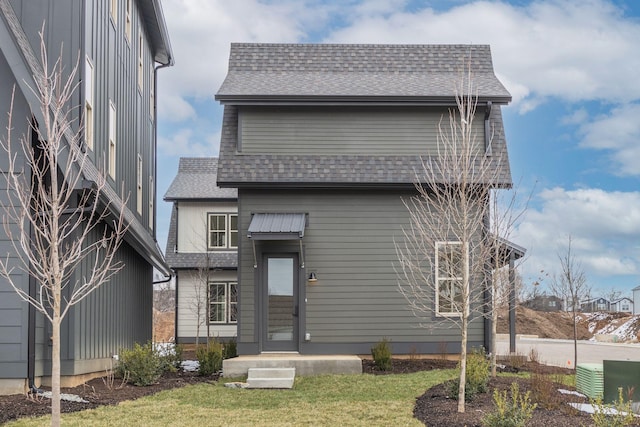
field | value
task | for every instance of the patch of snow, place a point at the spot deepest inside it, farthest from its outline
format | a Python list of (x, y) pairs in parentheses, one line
[(572, 392), (590, 409), (63, 396), (165, 348), (190, 365)]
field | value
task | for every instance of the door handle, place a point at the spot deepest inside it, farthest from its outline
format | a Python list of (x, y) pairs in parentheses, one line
[(295, 311)]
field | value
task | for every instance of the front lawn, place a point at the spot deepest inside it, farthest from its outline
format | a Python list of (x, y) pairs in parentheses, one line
[(344, 400)]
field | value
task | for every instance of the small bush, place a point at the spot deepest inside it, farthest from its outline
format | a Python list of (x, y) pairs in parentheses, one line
[(230, 349), (209, 358), (514, 412), (477, 375), (381, 354), (142, 364), (618, 414)]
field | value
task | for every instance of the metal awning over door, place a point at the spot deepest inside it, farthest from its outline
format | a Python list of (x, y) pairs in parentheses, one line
[(277, 226)]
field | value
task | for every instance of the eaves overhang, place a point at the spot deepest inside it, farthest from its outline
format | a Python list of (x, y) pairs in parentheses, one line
[(156, 27), (352, 100)]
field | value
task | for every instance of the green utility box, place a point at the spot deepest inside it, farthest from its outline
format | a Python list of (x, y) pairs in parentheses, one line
[(589, 379), (621, 373)]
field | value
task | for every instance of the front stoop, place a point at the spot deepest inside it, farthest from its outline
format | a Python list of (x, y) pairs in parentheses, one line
[(304, 364), (271, 377)]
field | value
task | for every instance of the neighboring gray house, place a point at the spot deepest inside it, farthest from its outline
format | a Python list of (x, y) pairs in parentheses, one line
[(118, 44), (595, 304), (202, 249), (622, 305), (322, 142), (544, 302)]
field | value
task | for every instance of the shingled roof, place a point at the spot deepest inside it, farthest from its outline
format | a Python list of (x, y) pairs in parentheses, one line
[(196, 180), (391, 73)]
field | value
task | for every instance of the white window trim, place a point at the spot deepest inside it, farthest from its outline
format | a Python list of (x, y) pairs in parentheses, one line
[(112, 139), (152, 196), (152, 95), (89, 112), (438, 279), (227, 231), (226, 304)]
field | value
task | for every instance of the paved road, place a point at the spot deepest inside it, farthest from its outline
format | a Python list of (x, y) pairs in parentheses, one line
[(560, 352)]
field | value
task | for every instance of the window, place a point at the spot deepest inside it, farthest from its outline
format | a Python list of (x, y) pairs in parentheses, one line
[(88, 103), (449, 272), (152, 195), (552, 303), (139, 185), (112, 140), (113, 10), (223, 302), (222, 231), (625, 306), (127, 20), (140, 57)]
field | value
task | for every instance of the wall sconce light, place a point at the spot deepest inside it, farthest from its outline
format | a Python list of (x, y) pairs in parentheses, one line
[(312, 278)]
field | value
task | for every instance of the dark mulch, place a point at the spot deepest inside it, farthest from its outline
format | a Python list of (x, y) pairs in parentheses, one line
[(95, 392)]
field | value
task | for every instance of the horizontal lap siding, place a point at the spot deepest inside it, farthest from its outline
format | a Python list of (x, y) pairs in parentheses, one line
[(349, 243), (401, 131)]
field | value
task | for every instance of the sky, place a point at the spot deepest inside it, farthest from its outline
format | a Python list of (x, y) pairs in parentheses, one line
[(573, 126)]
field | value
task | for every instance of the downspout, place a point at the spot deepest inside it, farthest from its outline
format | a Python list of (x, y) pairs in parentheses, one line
[(155, 143)]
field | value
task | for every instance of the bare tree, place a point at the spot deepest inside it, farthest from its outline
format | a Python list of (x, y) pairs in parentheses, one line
[(445, 253), (571, 285), (613, 295), (60, 223), (199, 304)]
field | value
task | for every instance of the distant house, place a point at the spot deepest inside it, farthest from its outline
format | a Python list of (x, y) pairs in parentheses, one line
[(636, 297), (202, 250), (544, 303), (322, 142), (595, 304), (622, 305)]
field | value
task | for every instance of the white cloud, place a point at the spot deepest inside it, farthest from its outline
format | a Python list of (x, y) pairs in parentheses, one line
[(186, 143), (604, 228), (571, 50), (618, 132)]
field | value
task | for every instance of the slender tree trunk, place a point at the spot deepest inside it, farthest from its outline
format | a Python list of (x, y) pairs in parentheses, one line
[(575, 339), (55, 369), (463, 367), (494, 335)]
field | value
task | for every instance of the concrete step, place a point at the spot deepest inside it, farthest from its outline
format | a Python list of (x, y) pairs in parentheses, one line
[(304, 364), (271, 377)]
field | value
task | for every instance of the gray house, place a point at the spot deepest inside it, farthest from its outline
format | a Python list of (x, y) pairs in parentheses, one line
[(322, 142), (202, 249), (544, 302), (118, 45)]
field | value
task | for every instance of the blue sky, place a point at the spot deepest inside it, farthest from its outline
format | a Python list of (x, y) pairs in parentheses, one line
[(573, 127)]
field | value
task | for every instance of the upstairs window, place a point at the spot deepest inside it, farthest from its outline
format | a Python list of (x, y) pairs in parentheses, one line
[(140, 64), (112, 140), (152, 195), (449, 276), (88, 103), (139, 185), (223, 302), (222, 231), (113, 11), (127, 20)]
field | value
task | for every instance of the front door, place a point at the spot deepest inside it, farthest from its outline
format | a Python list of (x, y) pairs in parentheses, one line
[(280, 331)]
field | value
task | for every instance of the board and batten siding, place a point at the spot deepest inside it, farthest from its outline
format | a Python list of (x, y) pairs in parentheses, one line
[(345, 130), (188, 313), (349, 244), (192, 223)]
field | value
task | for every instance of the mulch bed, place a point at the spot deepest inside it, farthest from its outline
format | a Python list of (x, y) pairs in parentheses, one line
[(434, 407)]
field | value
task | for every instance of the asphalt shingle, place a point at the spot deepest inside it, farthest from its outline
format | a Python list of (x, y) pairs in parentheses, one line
[(196, 179)]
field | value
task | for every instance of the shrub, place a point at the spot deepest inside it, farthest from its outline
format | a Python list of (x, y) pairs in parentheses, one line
[(230, 349), (209, 358), (142, 364), (477, 375), (381, 354), (514, 412), (618, 414)]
